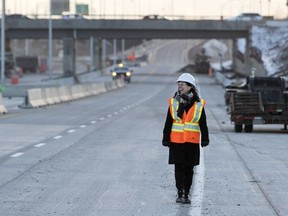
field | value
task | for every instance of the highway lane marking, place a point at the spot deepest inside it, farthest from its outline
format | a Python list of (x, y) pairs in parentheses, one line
[(198, 187), (73, 130), (17, 154), (57, 137), (39, 145), (15, 108), (198, 184), (8, 115)]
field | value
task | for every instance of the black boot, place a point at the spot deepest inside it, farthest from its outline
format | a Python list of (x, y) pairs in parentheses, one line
[(180, 196), (185, 199)]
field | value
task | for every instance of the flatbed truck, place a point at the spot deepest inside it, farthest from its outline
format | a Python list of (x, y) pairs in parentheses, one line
[(261, 100)]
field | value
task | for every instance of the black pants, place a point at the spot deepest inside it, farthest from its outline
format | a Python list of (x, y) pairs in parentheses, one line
[(183, 177)]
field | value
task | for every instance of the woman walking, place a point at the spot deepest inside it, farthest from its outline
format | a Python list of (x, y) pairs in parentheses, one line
[(185, 129)]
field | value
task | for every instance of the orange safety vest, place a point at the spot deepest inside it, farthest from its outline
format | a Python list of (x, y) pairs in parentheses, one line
[(186, 129)]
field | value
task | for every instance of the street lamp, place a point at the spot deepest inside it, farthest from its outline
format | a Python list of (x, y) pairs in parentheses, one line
[(222, 7), (172, 8), (221, 61), (269, 7), (3, 43), (50, 41)]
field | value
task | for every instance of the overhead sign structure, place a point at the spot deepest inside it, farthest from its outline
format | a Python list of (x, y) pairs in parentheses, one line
[(58, 6), (82, 9)]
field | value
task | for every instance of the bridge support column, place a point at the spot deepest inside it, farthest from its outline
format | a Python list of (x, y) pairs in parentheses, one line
[(97, 54), (69, 58), (234, 54)]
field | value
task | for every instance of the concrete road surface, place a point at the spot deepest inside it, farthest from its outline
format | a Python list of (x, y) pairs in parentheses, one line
[(103, 155)]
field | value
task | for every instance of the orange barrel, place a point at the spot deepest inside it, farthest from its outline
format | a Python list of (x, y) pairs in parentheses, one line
[(14, 80)]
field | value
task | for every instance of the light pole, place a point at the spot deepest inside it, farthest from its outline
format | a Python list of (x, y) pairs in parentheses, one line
[(269, 7), (50, 41), (222, 7), (172, 8), (115, 9), (3, 43)]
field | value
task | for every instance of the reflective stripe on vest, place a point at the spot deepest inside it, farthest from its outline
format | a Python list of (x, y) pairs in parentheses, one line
[(189, 126), (198, 110), (186, 129), (174, 105), (177, 127)]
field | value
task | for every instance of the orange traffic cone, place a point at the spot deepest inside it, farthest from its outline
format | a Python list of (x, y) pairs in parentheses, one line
[(210, 72)]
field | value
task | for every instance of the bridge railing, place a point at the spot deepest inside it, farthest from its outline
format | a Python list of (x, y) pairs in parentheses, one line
[(125, 17)]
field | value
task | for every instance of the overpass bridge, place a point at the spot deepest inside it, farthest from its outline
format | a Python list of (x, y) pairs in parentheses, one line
[(126, 29), (95, 30)]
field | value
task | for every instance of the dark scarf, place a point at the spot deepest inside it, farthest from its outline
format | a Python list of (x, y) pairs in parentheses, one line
[(184, 101)]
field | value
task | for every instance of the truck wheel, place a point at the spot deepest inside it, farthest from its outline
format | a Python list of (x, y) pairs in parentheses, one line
[(238, 127), (248, 128)]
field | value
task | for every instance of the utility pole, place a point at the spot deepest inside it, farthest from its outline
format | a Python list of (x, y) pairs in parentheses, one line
[(3, 45), (50, 42), (269, 7)]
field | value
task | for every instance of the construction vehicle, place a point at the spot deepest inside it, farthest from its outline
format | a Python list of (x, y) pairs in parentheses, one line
[(260, 100), (202, 62), (27, 63)]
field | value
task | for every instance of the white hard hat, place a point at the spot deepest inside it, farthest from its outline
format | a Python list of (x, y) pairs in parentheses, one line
[(186, 77)]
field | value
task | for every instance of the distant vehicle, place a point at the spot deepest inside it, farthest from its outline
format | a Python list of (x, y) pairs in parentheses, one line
[(121, 72), (154, 17), (72, 16), (16, 16), (202, 62), (262, 100), (10, 67), (29, 64), (247, 17)]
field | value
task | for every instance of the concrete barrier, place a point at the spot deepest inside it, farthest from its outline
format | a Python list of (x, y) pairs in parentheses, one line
[(226, 80), (110, 86), (48, 96), (35, 98), (52, 95), (98, 88), (64, 94), (76, 92), (120, 83), (86, 90), (55, 94), (3, 109)]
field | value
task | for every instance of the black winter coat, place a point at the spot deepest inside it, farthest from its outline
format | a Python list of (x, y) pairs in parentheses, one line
[(187, 153)]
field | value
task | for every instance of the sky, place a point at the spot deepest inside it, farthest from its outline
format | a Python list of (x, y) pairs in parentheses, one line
[(179, 9)]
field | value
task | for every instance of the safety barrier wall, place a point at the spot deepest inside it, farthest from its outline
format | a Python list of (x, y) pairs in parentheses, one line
[(3, 109), (52, 95), (222, 79)]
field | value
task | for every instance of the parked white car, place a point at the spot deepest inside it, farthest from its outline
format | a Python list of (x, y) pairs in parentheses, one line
[(247, 17)]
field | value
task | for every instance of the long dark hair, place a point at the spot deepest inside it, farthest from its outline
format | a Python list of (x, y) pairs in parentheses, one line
[(195, 92)]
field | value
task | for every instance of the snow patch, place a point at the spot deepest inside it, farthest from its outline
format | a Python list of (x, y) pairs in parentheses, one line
[(272, 42)]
